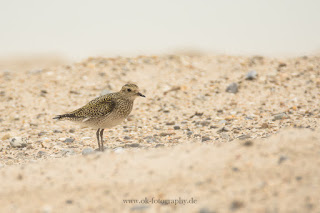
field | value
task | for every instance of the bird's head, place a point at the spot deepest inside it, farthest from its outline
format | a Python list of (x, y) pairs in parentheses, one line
[(131, 91)]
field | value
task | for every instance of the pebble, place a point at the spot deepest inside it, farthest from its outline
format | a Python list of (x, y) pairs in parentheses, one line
[(126, 137), (159, 145), (42, 133), (151, 139), (189, 133), (251, 75), (67, 152), (85, 138), (68, 140), (243, 137), (162, 134), (222, 122), (87, 151), (72, 130), (280, 116), (204, 123), (232, 88), (57, 131), (223, 129), (205, 138), (236, 204), (40, 154), (132, 145), (118, 150), (282, 159), (171, 123), (18, 142), (248, 143), (176, 127)]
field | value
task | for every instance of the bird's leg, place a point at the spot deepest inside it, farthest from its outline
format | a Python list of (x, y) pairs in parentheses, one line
[(98, 138), (101, 140)]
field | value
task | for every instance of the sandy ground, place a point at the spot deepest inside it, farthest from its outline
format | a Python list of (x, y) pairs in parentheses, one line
[(256, 149)]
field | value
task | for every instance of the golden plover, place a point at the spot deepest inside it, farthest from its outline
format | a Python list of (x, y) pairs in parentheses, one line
[(105, 111)]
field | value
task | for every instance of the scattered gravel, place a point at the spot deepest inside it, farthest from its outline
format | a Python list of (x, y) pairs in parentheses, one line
[(177, 109), (67, 152)]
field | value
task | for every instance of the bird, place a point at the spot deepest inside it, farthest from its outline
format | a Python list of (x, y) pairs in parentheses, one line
[(105, 111)]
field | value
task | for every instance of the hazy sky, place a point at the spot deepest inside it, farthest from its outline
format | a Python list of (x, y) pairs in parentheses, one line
[(79, 29)]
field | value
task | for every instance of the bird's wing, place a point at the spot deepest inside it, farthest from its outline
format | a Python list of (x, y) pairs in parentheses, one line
[(101, 106)]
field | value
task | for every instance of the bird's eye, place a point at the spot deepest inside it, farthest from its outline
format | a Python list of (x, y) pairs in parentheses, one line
[(129, 90)]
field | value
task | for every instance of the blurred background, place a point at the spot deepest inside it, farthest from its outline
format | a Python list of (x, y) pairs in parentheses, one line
[(77, 29)]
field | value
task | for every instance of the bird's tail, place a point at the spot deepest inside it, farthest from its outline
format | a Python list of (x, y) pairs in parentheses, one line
[(64, 117)]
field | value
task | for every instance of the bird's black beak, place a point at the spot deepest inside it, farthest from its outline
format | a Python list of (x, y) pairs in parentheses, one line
[(140, 94)]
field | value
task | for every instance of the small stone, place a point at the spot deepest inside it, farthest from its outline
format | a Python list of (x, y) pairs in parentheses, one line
[(204, 123), (57, 131), (18, 142), (118, 150), (72, 130), (85, 138), (159, 145), (67, 152), (126, 137), (132, 145), (282, 159), (214, 127), (69, 201), (151, 139), (235, 169), (236, 204), (176, 127), (280, 116), (222, 122), (87, 151), (42, 133), (248, 143), (68, 140), (223, 129), (40, 154), (232, 88), (264, 126), (205, 138), (170, 123), (189, 133), (163, 134), (224, 136), (243, 137), (251, 75), (197, 135)]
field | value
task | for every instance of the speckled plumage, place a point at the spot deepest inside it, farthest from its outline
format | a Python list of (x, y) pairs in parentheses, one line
[(105, 111)]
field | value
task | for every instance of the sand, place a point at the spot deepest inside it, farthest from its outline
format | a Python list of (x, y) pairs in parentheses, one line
[(252, 150)]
